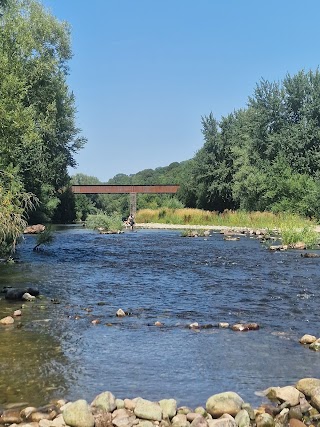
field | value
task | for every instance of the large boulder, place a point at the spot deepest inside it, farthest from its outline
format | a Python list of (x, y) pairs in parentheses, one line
[(224, 403), (34, 229), (242, 418), (169, 407), (78, 414), (315, 398), (105, 401), (283, 394), (307, 385), (148, 410)]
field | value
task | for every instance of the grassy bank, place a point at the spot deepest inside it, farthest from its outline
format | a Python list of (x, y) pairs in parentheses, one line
[(293, 228), (265, 220)]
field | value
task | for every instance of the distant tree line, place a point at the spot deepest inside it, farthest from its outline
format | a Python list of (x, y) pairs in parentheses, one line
[(265, 157)]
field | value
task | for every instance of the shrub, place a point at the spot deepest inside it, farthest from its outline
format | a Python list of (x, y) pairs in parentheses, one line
[(106, 222)]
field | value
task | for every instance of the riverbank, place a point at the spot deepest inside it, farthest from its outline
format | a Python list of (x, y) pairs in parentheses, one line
[(159, 226), (295, 406)]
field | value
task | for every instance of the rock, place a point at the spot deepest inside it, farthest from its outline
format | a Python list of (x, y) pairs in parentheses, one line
[(315, 398), (304, 404), (199, 421), (57, 422), (307, 385), (299, 245), (200, 410), (242, 418), (223, 325), (129, 404), (194, 325), (123, 417), (145, 423), (315, 346), (105, 401), (120, 313), (169, 408), (239, 327), (7, 320), (28, 297), (119, 404), (307, 339), (17, 313), (184, 410), (224, 403), (17, 294), (283, 394), (102, 419), (295, 412), (180, 420), (278, 247), (265, 420), (37, 416), (192, 415), (158, 323), (78, 414), (282, 419), (296, 423), (224, 421), (10, 416), (310, 255), (148, 410), (95, 321), (34, 229), (249, 409), (26, 412)]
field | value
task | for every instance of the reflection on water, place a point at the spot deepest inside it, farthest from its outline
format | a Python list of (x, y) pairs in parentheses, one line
[(156, 275)]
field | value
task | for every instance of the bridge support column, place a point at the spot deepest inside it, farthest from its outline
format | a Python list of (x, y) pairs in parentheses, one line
[(133, 204)]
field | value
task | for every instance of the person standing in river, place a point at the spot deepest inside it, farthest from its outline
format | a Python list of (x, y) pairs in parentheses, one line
[(131, 221)]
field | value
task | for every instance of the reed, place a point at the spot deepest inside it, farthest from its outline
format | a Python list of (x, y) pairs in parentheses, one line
[(266, 220)]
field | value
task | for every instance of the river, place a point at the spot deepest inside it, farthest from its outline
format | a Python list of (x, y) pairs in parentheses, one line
[(54, 350)]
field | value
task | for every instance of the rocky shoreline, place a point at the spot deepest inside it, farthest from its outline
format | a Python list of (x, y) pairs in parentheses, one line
[(293, 406)]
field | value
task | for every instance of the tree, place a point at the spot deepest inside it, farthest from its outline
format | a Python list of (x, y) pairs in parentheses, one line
[(37, 110)]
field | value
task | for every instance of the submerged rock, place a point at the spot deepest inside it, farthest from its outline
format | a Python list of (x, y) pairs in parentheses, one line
[(16, 294), (239, 327), (7, 320)]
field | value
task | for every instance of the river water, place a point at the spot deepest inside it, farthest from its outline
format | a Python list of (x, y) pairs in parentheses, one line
[(54, 350)]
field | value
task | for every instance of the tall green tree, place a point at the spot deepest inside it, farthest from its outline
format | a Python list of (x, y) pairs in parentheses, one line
[(38, 134)]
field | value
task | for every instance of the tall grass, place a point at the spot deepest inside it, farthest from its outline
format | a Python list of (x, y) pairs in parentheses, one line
[(266, 220), (307, 235)]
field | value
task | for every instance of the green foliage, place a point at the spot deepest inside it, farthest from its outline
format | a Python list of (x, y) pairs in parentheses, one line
[(307, 235), (38, 132), (44, 238), (267, 220), (14, 205), (105, 222)]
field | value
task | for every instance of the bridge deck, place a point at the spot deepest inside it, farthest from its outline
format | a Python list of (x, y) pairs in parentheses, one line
[(124, 189)]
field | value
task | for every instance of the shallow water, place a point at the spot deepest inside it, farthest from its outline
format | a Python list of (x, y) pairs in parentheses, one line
[(156, 275)]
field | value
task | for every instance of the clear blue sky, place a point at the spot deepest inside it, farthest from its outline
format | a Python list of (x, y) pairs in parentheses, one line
[(145, 71)]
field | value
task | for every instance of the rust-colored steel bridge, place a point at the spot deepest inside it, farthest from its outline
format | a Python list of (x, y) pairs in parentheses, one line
[(133, 190)]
